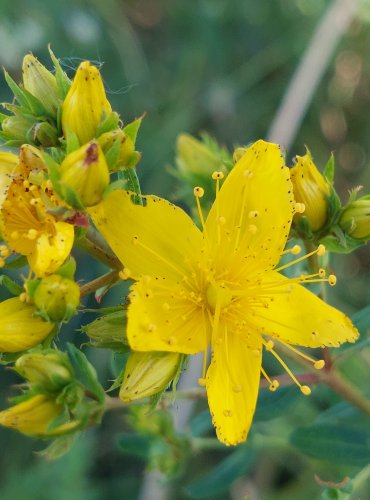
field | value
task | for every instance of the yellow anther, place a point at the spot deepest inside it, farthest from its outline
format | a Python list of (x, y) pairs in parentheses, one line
[(14, 235), (35, 201), (217, 175), (198, 192), (237, 388), (269, 345), (274, 385), (305, 390), (321, 250), (248, 174), (322, 273), (252, 228), (124, 274), (253, 213), (228, 413), (299, 208), (151, 327), (319, 365), (332, 280), (32, 234), (202, 381), (296, 250), (26, 183), (23, 297), (221, 220), (166, 306)]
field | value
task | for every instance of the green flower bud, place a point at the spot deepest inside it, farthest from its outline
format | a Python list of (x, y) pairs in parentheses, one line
[(50, 370), (195, 157), (312, 189), (120, 149), (17, 127), (45, 134), (57, 298), (355, 220), (107, 331), (86, 173), (85, 104), (147, 373), (41, 83)]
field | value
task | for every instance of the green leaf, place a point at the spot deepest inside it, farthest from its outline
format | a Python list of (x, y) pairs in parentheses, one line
[(16, 263), (274, 404), (223, 475), (334, 443), (329, 169), (201, 424), (10, 285), (62, 79), (134, 444), (108, 123)]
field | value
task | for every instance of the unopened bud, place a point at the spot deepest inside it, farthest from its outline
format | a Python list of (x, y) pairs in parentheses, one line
[(195, 157), (41, 83), (57, 298), (50, 370), (148, 373), (85, 104), (355, 220), (20, 328), (18, 127), (312, 190), (45, 134), (107, 331), (86, 173), (120, 147)]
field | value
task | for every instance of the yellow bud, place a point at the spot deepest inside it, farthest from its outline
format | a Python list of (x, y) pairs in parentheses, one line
[(355, 220), (41, 83), (195, 157), (51, 370), (20, 329), (148, 373), (57, 298), (85, 171), (85, 103), (312, 190), (34, 416), (127, 157)]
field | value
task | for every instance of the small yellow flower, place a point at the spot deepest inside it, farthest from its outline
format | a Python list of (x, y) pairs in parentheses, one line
[(34, 417), (41, 83), (85, 103), (20, 329), (312, 190), (355, 219), (221, 286), (147, 373), (86, 173)]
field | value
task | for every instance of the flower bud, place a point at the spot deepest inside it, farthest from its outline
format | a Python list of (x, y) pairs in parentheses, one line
[(50, 370), (195, 157), (355, 220), (121, 148), (17, 127), (147, 373), (20, 329), (85, 104), (41, 83), (107, 331), (45, 134), (311, 189), (34, 417), (86, 173), (57, 298)]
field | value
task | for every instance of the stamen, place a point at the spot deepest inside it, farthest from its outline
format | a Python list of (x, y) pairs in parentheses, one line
[(332, 280), (199, 193), (317, 363), (217, 175), (320, 251), (294, 250), (299, 208), (124, 274), (274, 384)]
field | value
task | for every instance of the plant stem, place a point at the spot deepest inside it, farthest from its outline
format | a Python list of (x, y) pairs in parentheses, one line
[(94, 245), (92, 286)]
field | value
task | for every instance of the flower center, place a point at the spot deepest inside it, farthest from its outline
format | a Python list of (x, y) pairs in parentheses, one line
[(218, 294)]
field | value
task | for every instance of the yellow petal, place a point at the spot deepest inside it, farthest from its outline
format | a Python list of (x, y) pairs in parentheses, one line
[(232, 385), (252, 214), (297, 316), (51, 251), (162, 317), (156, 239), (19, 328)]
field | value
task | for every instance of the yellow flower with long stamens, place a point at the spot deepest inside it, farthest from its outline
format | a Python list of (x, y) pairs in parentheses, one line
[(222, 285)]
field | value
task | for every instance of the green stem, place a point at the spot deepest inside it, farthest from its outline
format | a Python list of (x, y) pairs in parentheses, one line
[(92, 286), (95, 246)]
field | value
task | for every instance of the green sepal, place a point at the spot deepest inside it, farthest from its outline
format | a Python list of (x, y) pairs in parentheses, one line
[(32, 285), (68, 269), (108, 331), (85, 373), (132, 128), (72, 142), (132, 183), (108, 123), (58, 447), (329, 169), (62, 79), (113, 154), (340, 242), (10, 285)]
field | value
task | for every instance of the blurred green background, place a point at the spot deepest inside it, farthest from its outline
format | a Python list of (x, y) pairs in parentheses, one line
[(223, 66)]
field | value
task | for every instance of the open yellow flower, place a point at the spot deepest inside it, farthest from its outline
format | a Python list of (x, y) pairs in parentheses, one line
[(221, 285)]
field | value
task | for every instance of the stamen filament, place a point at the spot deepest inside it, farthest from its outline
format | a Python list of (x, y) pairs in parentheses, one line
[(320, 250)]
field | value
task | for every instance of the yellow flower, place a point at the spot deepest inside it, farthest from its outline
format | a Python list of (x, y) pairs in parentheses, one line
[(34, 416), (221, 285), (8, 162), (311, 189), (31, 230), (20, 329), (85, 103)]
